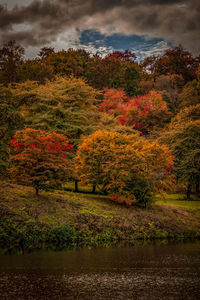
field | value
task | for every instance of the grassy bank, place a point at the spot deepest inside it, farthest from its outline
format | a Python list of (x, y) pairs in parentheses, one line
[(60, 218)]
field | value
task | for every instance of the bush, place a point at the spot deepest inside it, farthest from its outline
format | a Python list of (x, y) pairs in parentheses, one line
[(121, 200), (61, 236)]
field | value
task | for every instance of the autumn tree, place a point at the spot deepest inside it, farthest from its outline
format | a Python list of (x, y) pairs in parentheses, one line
[(113, 101), (185, 115), (124, 164), (123, 56), (40, 159), (96, 157), (177, 60), (146, 112), (148, 67)]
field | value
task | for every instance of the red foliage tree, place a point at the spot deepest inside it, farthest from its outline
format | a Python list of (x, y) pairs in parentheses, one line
[(114, 100), (40, 159), (124, 56), (146, 112), (177, 61)]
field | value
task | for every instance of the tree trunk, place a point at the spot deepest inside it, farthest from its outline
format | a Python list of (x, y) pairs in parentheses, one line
[(197, 187), (76, 186), (93, 189), (189, 187), (37, 191)]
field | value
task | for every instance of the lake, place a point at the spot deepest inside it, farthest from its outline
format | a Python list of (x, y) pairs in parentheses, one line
[(152, 271)]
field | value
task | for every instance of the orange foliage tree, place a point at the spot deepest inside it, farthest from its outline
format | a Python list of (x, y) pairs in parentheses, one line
[(40, 159), (124, 164), (113, 102)]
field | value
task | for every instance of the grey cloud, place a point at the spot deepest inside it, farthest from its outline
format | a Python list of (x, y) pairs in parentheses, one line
[(177, 21)]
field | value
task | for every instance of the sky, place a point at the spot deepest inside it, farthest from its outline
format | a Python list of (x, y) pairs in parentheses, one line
[(145, 27)]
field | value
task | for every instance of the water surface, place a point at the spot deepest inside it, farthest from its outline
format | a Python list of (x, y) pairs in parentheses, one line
[(169, 271)]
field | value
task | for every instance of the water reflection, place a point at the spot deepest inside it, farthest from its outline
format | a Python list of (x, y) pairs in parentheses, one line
[(140, 272)]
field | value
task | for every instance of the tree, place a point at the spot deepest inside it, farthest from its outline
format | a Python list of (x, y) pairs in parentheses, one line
[(185, 115), (170, 86), (113, 101), (124, 56), (66, 63), (191, 92), (11, 56), (112, 72), (148, 66), (177, 61), (121, 163), (40, 159), (45, 52), (11, 120), (96, 160), (185, 143), (65, 105), (35, 70), (145, 113)]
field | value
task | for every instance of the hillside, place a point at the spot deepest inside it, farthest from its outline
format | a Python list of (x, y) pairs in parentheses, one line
[(58, 219)]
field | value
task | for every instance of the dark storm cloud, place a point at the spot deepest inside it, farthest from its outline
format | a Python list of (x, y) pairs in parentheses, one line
[(177, 21)]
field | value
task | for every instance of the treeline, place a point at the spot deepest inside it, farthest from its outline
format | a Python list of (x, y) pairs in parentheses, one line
[(133, 127)]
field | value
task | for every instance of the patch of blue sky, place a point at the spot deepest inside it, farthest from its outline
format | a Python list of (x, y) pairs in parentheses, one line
[(141, 45)]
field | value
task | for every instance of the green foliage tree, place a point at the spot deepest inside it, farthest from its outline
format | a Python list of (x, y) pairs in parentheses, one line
[(11, 56), (112, 72), (34, 70), (170, 86), (185, 142), (11, 119), (191, 93), (65, 63), (65, 105)]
